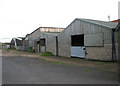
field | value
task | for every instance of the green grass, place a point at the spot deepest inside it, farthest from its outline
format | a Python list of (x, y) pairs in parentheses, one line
[(29, 49), (47, 54), (85, 70), (43, 59), (10, 49), (57, 62)]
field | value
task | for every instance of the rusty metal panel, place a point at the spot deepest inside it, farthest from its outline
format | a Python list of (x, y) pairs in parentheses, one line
[(93, 39)]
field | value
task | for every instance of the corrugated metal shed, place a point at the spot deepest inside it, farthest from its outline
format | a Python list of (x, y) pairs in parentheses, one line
[(35, 36), (97, 38)]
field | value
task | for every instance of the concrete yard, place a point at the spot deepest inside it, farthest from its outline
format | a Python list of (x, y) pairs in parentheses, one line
[(19, 69)]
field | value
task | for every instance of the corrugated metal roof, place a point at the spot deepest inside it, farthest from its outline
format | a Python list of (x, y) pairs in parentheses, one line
[(46, 27), (53, 27), (51, 33), (102, 23)]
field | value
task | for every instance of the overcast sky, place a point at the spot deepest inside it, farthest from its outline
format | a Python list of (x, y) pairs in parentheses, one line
[(19, 17)]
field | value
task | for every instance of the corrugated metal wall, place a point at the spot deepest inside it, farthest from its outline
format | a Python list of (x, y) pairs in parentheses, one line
[(35, 35), (116, 42), (50, 42), (82, 27), (33, 38)]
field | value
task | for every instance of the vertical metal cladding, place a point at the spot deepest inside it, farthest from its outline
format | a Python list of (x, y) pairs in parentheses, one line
[(50, 43), (81, 26)]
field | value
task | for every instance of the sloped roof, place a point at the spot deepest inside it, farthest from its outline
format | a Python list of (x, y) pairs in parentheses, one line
[(19, 42), (102, 23)]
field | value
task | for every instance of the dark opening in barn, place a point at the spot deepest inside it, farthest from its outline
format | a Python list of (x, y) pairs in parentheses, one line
[(42, 45), (77, 46), (77, 40), (42, 42)]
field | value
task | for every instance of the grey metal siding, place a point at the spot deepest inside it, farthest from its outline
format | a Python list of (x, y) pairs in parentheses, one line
[(51, 44), (64, 44), (99, 53), (78, 27), (93, 39)]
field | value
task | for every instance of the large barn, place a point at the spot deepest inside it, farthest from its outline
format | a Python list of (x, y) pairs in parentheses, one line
[(89, 39), (35, 39)]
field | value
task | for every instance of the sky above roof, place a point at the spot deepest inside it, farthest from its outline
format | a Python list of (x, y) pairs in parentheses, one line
[(21, 17)]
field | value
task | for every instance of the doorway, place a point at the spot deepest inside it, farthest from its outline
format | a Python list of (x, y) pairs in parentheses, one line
[(77, 46)]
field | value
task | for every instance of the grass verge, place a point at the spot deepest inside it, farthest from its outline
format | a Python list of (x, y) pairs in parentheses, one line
[(58, 62), (53, 61), (47, 54)]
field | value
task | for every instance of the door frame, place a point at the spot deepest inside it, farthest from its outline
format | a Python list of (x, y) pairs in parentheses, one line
[(78, 45)]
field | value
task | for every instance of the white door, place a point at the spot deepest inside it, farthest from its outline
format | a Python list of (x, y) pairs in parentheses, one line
[(78, 51)]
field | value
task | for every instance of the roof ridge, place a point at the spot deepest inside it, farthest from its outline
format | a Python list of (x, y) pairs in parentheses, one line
[(98, 22)]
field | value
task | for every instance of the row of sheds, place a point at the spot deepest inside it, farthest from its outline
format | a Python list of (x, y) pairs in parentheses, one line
[(83, 38)]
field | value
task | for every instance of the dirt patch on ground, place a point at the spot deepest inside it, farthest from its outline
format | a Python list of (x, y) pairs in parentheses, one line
[(109, 66)]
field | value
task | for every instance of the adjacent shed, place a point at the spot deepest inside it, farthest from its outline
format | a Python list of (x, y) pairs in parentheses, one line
[(16, 43), (35, 37), (25, 43), (49, 42), (90, 39), (4, 45)]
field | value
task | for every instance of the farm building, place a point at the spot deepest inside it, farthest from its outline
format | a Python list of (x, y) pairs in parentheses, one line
[(16, 44), (4, 45), (89, 39), (49, 42), (25, 43), (33, 39)]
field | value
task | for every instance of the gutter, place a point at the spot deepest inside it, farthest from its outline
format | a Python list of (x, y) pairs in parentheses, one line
[(113, 47)]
